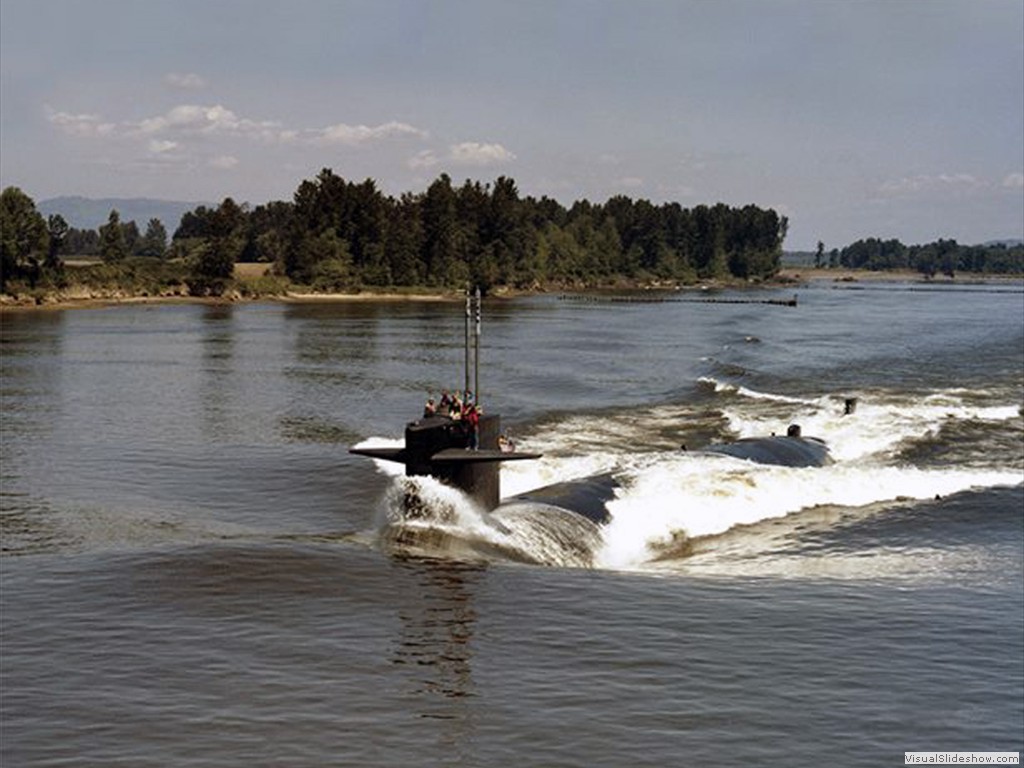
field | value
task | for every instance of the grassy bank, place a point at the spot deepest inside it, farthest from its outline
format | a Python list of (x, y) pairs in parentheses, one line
[(845, 275), (91, 283)]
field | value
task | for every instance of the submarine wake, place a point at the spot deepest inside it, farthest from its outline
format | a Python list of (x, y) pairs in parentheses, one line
[(420, 516), (633, 503), (667, 500), (670, 497)]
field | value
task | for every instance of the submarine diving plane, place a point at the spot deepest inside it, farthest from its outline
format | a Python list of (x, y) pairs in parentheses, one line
[(439, 447)]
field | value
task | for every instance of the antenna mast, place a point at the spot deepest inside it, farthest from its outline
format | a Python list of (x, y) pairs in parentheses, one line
[(476, 352), (468, 314)]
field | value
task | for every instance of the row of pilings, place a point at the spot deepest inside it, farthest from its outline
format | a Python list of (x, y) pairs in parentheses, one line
[(665, 299)]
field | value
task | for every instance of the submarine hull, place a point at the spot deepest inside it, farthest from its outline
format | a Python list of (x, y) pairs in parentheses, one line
[(780, 451), (439, 447), (589, 496)]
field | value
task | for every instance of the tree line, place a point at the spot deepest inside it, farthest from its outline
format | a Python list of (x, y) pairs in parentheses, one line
[(32, 247), (942, 256), (117, 240), (336, 234), (341, 235)]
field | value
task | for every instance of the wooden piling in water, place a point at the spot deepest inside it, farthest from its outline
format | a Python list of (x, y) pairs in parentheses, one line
[(672, 300)]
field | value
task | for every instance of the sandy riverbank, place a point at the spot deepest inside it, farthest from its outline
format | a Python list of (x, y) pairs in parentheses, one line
[(84, 298), (365, 296), (812, 274), (100, 299)]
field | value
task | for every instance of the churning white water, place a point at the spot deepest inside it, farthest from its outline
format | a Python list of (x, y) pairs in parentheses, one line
[(668, 494)]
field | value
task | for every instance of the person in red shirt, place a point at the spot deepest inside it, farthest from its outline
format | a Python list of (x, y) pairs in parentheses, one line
[(472, 420)]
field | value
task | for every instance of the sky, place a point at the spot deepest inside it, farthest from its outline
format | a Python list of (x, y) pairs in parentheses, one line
[(853, 118)]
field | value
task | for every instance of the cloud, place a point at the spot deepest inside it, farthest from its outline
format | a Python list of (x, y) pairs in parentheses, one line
[(81, 125), (223, 162), (217, 120), (159, 146), (423, 160), (194, 119), (355, 135), (467, 153), (677, 191), (189, 81), (631, 182), (176, 135), (911, 185), (474, 153), (1014, 181), (199, 120)]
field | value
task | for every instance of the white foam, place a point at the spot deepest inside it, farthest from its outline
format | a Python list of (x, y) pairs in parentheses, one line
[(522, 476), (876, 427), (721, 386), (670, 493), (526, 532), (442, 505), (667, 493), (389, 468), (703, 495)]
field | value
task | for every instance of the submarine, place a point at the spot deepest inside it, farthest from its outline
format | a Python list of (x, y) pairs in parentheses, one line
[(446, 449)]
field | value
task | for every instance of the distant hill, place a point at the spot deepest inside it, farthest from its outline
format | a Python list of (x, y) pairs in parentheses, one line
[(90, 213)]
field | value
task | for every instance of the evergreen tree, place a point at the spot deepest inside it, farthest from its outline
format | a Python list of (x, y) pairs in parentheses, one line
[(404, 241), (213, 261), (441, 235), (132, 238), (58, 230), (112, 244), (154, 242)]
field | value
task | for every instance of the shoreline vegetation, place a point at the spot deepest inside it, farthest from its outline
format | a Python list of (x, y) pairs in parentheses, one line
[(249, 277), (343, 241)]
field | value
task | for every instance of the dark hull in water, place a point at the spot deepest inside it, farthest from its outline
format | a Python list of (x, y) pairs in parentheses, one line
[(437, 447), (588, 496), (781, 451)]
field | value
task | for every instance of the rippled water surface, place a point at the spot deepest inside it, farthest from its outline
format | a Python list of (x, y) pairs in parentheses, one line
[(195, 571)]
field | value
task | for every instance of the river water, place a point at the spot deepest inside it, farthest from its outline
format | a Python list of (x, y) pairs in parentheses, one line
[(195, 571)]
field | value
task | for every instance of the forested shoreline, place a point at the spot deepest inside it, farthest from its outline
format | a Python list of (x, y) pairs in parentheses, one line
[(338, 236), (942, 256)]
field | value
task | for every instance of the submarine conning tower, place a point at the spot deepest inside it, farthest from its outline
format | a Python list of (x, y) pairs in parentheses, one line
[(439, 446)]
